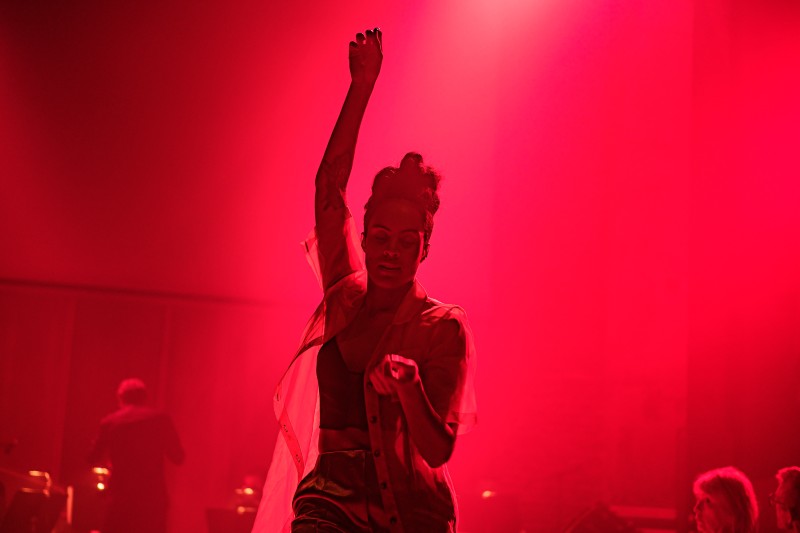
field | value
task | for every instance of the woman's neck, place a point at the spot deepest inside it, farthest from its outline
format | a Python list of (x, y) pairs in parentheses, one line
[(380, 300)]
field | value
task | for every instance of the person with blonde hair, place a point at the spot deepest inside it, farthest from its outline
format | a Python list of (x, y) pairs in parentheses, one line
[(786, 498), (725, 502), (381, 385)]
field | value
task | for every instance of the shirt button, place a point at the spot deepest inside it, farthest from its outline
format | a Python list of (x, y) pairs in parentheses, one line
[(384, 485), (376, 453), (373, 419), (393, 520)]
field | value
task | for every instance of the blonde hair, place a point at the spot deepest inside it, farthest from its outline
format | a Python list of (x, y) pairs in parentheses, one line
[(732, 486), (789, 478)]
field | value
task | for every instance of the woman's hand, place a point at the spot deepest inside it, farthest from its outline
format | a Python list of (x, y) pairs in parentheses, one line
[(393, 372), (366, 55), (398, 377)]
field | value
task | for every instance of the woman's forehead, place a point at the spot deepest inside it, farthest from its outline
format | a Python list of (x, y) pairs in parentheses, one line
[(398, 215), (712, 495)]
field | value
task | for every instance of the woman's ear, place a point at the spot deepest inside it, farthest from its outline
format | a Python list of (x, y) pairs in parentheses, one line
[(364, 241), (425, 248)]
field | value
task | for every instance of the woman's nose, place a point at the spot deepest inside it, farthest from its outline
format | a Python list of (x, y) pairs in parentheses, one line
[(390, 253)]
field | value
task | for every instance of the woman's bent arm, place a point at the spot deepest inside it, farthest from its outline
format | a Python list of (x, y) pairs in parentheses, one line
[(434, 438)]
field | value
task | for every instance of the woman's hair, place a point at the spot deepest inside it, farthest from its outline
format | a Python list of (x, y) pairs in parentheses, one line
[(789, 478), (732, 487), (412, 181)]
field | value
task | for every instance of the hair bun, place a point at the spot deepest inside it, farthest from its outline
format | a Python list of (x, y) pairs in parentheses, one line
[(411, 161), (412, 180)]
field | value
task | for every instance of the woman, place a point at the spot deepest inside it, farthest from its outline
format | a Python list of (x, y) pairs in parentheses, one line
[(725, 502), (392, 368), (786, 498)]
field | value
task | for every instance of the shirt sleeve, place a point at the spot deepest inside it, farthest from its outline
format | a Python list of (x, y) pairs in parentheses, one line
[(448, 373), (333, 248)]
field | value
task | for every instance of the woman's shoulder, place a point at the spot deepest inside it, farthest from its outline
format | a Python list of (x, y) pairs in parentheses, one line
[(445, 315), (444, 310), (447, 329)]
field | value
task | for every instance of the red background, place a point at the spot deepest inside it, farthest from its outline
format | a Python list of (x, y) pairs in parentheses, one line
[(620, 220)]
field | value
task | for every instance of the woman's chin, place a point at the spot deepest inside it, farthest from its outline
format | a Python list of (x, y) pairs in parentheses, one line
[(388, 280)]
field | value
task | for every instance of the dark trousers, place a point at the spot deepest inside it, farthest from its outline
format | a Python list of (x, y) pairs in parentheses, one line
[(341, 495)]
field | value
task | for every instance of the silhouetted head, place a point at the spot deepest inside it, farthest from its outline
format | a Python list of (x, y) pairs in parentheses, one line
[(132, 392), (786, 498), (725, 502), (398, 221)]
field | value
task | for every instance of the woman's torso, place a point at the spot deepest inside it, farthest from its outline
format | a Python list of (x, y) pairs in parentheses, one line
[(356, 344)]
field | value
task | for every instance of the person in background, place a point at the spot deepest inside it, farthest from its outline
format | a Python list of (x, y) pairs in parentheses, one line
[(725, 502), (134, 441), (786, 498)]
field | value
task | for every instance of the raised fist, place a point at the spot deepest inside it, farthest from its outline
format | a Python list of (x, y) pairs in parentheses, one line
[(366, 55)]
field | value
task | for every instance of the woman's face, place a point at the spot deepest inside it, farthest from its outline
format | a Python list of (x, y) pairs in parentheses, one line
[(394, 243), (784, 517), (711, 513)]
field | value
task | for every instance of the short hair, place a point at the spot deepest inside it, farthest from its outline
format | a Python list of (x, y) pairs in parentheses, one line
[(789, 478), (735, 489), (412, 181), (132, 391)]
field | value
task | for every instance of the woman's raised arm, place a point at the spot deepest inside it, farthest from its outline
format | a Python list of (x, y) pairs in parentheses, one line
[(366, 56)]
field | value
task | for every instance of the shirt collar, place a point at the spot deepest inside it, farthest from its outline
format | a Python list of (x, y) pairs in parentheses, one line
[(412, 303)]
